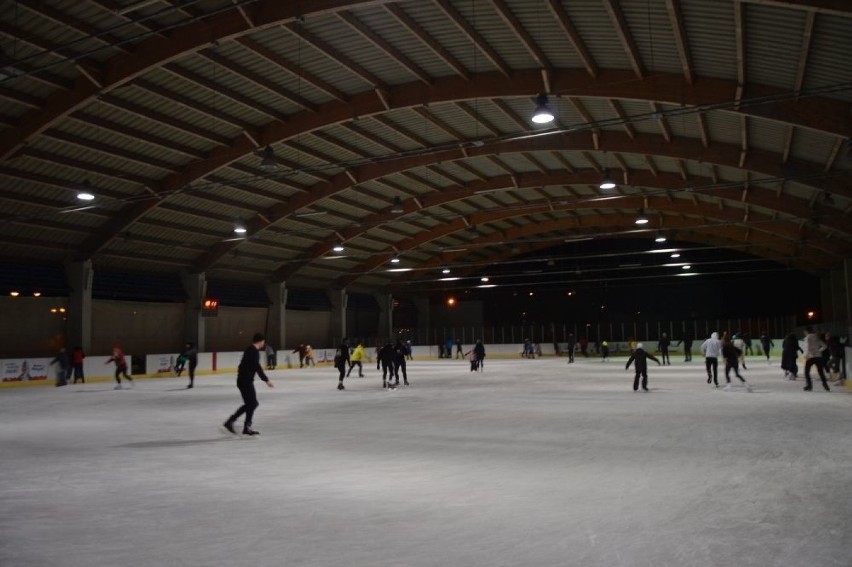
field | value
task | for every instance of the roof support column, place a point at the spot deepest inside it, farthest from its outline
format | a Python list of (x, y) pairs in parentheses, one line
[(339, 301), (276, 326), (385, 301), (195, 286), (424, 323), (79, 330)]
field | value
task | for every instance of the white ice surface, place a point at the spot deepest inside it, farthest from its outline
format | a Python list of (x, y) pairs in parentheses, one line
[(530, 463)]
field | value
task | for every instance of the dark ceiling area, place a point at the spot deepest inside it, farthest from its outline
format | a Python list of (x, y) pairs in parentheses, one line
[(402, 133)]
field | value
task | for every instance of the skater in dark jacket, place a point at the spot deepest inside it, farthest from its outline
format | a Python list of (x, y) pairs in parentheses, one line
[(190, 353), (766, 343), (732, 354), (386, 356), (399, 352), (663, 346), (640, 357), (340, 364), (249, 366), (687, 346), (572, 344), (790, 350), (479, 352)]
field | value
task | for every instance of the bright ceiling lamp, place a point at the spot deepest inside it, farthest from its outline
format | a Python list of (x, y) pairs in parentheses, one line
[(85, 191), (542, 113), (607, 182), (268, 161), (338, 248), (660, 237), (395, 260), (641, 219), (686, 267), (675, 255), (445, 271), (239, 228)]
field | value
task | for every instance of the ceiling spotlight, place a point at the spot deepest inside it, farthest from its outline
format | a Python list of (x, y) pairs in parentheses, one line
[(85, 191), (36, 294), (686, 267), (660, 237), (395, 260), (338, 248), (397, 206), (14, 293), (485, 279), (268, 161), (542, 113), (607, 182), (641, 219), (239, 228), (676, 255), (445, 271)]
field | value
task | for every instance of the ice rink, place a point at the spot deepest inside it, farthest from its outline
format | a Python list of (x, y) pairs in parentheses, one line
[(529, 463)]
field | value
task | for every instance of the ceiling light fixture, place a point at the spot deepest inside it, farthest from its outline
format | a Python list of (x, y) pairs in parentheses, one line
[(14, 293), (445, 271), (397, 206), (85, 191), (542, 113), (641, 219), (485, 279), (660, 237), (676, 255), (687, 267), (338, 248), (268, 161), (607, 182), (395, 260), (239, 228), (487, 286), (448, 279)]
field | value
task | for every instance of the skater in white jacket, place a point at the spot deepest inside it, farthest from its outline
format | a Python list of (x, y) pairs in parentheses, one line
[(712, 349)]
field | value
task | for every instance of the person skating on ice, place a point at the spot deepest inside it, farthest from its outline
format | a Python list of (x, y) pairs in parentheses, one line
[(766, 344), (120, 367), (663, 346), (640, 357), (740, 345), (63, 371), (77, 357), (190, 354), (386, 361), (712, 349), (249, 366), (572, 344), (399, 351), (687, 346), (790, 350), (479, 353), (340, 364), (357, 356), (813, 357), (732, 356)]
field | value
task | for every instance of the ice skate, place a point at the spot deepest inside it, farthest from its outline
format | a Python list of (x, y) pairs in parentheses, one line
[(384, 385), (807, 388), (827, 389), (250, 432), (340, 386), (406, 383), (228, 427)]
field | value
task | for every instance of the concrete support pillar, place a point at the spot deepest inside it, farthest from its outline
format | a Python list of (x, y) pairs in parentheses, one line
[(276, 331), (339, 301), (79, 320), (195, 286), (385, 301)]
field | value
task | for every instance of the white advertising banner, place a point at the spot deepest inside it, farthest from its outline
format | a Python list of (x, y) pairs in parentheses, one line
[(160, 363), (25, 369)]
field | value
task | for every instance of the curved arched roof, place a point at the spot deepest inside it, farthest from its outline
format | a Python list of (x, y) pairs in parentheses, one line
[(396, 127)]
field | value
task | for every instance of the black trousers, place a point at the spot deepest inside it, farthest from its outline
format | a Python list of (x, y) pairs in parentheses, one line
[(687, 351), (78, 373), (397, 364), (712, 363), (665, 356), (819, 362), (644, 375), (119, 371), (570, 352), (352, 364), (249, 403), (192, 366), (387, 368), (729, 365)]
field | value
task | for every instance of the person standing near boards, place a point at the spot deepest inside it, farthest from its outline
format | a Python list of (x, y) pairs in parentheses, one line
[(249, 366), (663, 346), (120, 367)]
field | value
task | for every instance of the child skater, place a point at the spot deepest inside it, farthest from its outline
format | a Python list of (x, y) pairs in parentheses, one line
[(120, 367), (641, 357)]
